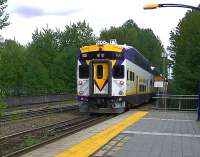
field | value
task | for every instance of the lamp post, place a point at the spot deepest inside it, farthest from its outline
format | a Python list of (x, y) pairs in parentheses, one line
[(164, 73), (198, 109), (155, 6), (164, 57)]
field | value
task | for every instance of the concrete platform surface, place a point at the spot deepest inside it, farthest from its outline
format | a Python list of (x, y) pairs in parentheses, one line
[(158, 134)]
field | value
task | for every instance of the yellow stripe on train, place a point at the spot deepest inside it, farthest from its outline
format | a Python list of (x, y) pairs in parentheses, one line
[(107, 47)]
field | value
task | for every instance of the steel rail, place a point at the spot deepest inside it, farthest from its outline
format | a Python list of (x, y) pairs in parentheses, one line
[(39, 128), (35, 104), (56, 132), (35, 113)]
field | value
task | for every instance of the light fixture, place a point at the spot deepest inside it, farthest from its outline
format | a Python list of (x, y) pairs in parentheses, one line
[(80, 82), (121, 82)]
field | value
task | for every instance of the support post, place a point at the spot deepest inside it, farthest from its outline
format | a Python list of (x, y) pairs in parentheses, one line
[(164, 57), (198, 109)]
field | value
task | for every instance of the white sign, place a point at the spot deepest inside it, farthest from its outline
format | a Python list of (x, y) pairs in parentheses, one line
[(158, 84), (101, 43)]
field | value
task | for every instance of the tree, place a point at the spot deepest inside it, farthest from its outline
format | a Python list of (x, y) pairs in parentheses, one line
[(142, 39), (55, 52), (185, 49), (12, 61), (36, 79), (3, 23), (71, 39), (42, 50), (76, 35), (3, 16)]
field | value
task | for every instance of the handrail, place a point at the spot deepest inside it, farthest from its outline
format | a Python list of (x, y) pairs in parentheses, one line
[(177, 95), (176, 102)]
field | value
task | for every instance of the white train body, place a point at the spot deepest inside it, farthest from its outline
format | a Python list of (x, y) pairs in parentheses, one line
[(111, 78)]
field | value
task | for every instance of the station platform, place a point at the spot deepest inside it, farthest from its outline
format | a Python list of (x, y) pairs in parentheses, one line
[(133, 134), (158, 134)]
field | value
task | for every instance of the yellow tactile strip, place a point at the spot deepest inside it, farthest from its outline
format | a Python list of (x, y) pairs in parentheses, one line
[(88, 146), (112, 147)]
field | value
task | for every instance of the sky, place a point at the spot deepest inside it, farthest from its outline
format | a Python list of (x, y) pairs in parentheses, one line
[(27, 15)]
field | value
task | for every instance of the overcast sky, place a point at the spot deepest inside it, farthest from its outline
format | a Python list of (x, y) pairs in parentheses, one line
[(27, 15)]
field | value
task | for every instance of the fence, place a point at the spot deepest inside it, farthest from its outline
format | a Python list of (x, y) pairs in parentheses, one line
[(28, 100), (8, 92), (176, 102)]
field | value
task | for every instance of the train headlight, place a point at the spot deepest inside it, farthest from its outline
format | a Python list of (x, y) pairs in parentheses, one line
[(121, 92), (81, 92), (121, 82), (80, 82)]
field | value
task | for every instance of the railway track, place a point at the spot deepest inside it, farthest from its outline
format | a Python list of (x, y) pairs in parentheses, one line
[(34, 113), (19, 143)]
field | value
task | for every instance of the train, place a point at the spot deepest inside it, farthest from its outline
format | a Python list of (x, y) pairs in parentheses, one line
[(112, 78)]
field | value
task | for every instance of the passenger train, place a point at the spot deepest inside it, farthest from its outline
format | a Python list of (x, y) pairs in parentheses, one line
[(112, 78)]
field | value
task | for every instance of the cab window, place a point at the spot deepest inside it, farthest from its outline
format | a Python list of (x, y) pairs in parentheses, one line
[(83, 71), (99, 71), (118, 71)]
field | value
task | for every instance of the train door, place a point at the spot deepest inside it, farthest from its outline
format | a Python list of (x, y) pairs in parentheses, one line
[(100, 79)]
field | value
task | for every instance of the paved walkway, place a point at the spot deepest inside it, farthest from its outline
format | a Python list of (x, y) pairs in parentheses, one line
[(158, 134)]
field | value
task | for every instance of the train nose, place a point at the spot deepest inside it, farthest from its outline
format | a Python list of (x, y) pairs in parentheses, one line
[(100, 77)]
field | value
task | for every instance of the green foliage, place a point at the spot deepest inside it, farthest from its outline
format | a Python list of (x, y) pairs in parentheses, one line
[(3, 16), (142, 39), (70, 40), (56, 52), (3, 23), (76, 35), (29, 141), (47, 65), (12, 61), (185, 49), (39, 65)]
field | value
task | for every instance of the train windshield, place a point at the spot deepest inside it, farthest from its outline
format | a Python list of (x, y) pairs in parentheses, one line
[(101, 55), (83, 71), (118, 71)]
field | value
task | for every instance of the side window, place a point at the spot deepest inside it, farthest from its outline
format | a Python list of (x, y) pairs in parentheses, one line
[(151, 83), (131, 76), (83, 71), (118, 71), (147, 85), (142, 88), (99, 71), (127, 73)]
